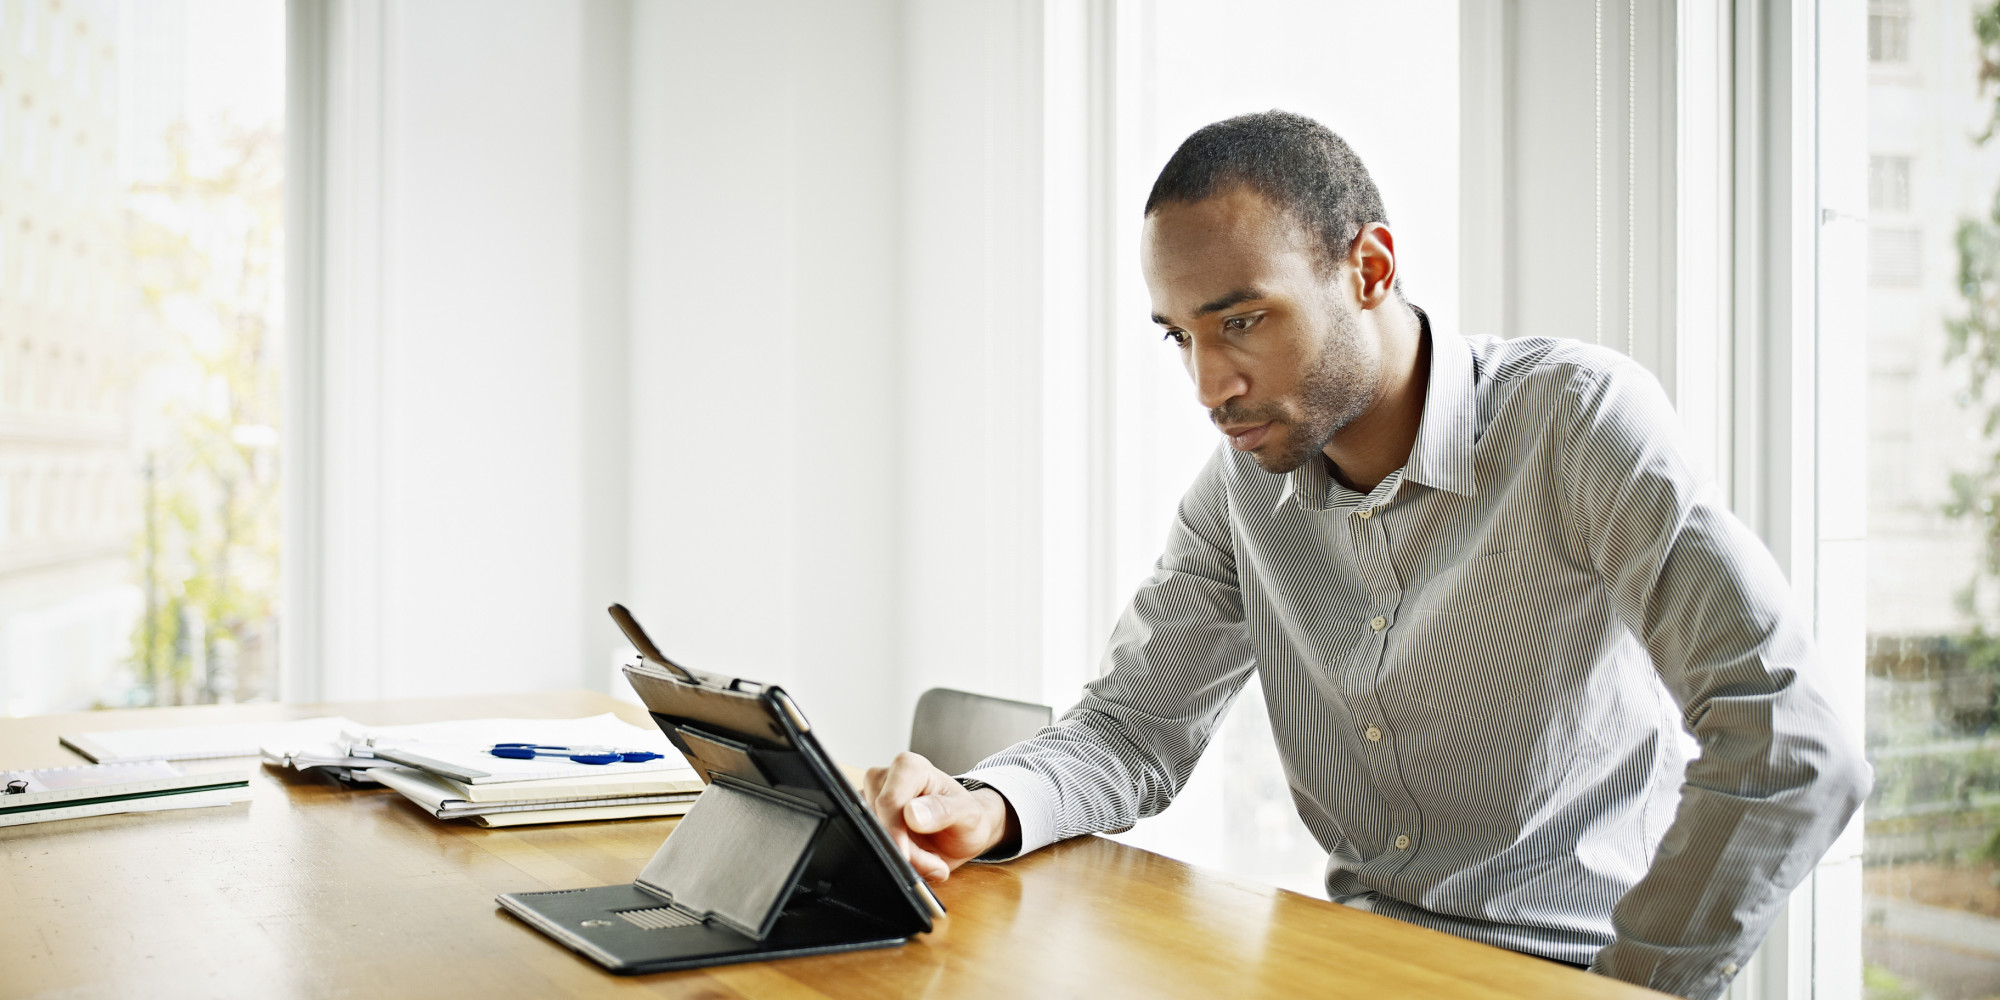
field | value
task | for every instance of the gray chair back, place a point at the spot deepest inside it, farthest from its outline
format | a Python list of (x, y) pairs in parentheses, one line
[(958, 729)]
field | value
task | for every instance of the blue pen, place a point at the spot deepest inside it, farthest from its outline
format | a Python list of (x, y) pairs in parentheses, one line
[(581, 755)]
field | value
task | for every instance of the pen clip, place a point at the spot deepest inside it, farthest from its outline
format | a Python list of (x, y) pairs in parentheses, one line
[(644, 644)]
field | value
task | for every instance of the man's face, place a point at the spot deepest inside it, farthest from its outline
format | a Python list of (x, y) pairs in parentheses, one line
[(1271, 337)]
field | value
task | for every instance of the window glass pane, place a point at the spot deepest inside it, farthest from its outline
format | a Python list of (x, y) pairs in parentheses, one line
[(140, 214), (1932, 826), (1888, 184), (1888, 33)]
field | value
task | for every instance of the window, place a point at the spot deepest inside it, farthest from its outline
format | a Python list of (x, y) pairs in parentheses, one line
[(1888, 33), (140, 145), (1931, 828), (1889, 184)]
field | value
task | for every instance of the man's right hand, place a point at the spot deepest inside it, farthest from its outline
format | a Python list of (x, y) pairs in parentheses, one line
[(934, 820)]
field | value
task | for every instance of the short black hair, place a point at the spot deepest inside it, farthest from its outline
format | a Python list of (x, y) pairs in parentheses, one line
[(1293, 161)]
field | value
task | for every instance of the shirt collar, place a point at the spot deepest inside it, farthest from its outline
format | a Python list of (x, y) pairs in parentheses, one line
[(1440, 458), (1442, 455)]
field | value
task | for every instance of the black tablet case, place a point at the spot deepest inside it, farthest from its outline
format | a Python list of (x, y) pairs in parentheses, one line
[(778, 857)]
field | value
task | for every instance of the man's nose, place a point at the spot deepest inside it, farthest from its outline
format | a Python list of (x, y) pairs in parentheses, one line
[(1217, 379)]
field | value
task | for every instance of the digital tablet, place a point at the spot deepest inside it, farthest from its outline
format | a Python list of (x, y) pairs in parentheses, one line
[(778, 857)]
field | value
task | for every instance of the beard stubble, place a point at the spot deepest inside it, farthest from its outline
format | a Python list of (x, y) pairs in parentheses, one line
[(1335, 390)]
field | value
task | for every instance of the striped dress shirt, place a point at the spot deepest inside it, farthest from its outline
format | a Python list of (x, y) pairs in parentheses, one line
[(1480, 674)]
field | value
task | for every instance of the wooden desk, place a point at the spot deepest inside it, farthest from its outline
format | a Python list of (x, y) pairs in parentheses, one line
[(314, 890)]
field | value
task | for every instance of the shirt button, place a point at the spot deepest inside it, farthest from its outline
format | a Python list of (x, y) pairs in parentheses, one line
[(1378, 623), (1729, 970), (1365, 513), (1402, 842), (1374, 735)]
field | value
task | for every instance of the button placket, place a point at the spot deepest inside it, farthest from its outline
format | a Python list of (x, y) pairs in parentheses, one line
[(1400, 816)]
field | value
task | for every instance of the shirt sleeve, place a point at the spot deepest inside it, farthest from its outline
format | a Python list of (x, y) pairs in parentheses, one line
[(1176, 660), (1777, 778)]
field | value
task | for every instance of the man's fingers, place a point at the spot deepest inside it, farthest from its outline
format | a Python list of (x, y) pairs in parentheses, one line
[(906, 797), (904, 780), (930, 813), (930, 866), (909, 776)]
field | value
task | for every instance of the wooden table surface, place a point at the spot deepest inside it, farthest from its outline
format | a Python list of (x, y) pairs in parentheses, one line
[(315, 890)]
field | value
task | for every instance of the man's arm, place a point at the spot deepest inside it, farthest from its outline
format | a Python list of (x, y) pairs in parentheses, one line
[(1777, 778), (1177, 658)]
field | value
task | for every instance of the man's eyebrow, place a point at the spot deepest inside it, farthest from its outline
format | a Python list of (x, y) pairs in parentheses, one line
[(1235, 298)]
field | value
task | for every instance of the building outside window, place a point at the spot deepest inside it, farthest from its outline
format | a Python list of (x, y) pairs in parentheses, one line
[(1932, 825), (140, 238)]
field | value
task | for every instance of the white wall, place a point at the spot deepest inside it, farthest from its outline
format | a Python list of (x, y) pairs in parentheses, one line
[(614, 309), (972, 442), (452, 491), (766, 322), (482, 481)]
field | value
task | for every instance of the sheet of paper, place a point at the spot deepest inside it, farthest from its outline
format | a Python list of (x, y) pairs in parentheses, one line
[(461, 749), (642, 783), (63, 779), (589, 815), (242, 739)]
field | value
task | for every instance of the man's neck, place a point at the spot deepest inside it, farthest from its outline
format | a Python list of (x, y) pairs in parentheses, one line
[(1378, 442)]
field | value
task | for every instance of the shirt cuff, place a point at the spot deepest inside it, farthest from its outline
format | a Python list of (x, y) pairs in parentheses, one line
[(1034, 801)]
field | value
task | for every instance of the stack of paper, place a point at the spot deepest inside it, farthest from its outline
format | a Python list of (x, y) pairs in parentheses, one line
[(102, 789), (448, 770), (515, 803)]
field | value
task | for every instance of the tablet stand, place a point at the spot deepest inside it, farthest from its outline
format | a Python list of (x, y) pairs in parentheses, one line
[(735, 857)]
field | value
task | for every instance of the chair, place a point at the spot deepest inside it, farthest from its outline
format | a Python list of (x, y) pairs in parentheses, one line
[(958, 729)]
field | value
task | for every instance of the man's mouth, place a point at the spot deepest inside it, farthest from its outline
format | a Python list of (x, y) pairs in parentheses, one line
[(1246, 437)]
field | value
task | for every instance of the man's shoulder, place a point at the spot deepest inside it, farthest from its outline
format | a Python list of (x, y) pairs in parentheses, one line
[(1559, 360)]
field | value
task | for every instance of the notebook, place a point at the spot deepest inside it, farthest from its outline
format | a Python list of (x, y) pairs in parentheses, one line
[(101, 789)]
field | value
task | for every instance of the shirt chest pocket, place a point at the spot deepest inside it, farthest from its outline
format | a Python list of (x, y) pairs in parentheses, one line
[(1479, 583)]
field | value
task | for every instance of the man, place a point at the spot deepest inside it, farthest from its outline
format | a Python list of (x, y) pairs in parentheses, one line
[(1484, 593)]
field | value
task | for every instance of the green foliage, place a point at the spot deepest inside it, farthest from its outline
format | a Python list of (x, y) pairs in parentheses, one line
[(205, 243), (1986, 28), (1878, 983), (1973, 341), (1973, 344)]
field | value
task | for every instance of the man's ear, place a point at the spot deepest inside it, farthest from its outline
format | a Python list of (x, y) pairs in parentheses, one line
[(1372, 265)]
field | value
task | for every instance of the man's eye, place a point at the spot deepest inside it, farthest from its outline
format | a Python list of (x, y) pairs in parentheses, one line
[(1238, 324), (1177, 337)]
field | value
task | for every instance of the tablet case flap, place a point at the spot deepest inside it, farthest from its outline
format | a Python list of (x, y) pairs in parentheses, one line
[(735, 856)]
